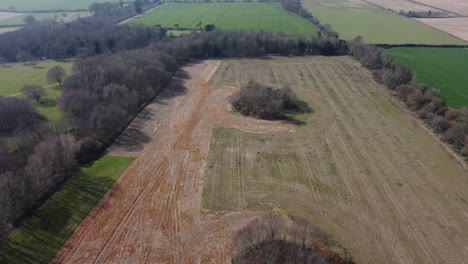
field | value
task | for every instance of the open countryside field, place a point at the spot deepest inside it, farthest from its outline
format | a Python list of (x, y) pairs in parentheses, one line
[(14, 76), (406, 5), (8, 29), (351, 18), (443, 69), (255, 16), (360, 169), (56, 220), (456, 6), (40, 5), (61, 17), (152, 214), (457, 26)]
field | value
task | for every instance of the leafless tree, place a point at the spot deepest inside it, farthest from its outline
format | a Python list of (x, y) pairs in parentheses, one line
[(56, 74), (34, 92)]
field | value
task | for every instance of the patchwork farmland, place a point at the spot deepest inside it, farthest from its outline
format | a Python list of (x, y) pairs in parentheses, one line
[(247, 16), (40, 5), (154, 149), (350, 18), (443, 69), (359, 167)]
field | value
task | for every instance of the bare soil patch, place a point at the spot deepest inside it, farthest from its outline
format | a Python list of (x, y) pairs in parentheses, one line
[(457, 26), (360, 169), (153, 213)]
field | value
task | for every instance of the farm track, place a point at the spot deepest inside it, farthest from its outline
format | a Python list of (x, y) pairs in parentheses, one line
[(153, 213), (359, 168)]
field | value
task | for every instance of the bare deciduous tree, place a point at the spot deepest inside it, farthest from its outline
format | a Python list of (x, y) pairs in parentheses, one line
[(56, 74), (34, 92)]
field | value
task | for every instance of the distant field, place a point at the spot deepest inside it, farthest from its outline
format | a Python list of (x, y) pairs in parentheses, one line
[(35, 5), (57, 16), (14, 76), (8, 29), (456, 6), (41, 237), (406, 5), (457, 26), (358, 168), (255, 16), (351, 18), (444, 69)]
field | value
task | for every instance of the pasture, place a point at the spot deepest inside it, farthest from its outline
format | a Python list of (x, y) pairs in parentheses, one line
[(39, 238), (358, 168), (42, 5), (14, 76), (351, 18), (441, 68), (8, 29), (248, 16)]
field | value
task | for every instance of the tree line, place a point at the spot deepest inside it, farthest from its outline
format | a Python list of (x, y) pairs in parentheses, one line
[(451, 124)]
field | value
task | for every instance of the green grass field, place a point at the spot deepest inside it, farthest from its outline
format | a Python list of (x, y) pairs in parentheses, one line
[(57, 16), (8, 29), (376, 25), (14, 76), (39, 238), (440, 68), (34, 5), (255, 16)]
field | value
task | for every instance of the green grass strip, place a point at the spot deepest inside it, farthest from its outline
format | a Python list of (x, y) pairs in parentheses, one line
[(39, 238)]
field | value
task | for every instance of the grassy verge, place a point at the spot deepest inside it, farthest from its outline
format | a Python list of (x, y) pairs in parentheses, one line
[(39, 238), (443, 69)]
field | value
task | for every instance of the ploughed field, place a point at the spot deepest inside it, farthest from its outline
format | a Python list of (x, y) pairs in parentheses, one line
[(350, 18), (443, 69), (247, 16), (358, 167)]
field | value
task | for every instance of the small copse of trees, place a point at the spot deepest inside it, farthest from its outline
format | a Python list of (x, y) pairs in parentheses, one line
[(270, 239), (264, 102)]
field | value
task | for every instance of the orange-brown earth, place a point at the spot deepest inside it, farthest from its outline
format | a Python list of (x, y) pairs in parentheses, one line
[(153, 213)]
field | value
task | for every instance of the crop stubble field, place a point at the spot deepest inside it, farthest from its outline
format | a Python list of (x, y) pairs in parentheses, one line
[(350, 18), (255, 16), (359, 168)]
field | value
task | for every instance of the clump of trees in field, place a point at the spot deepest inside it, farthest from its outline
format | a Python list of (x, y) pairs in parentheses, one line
[(262, 101), (270, 239)]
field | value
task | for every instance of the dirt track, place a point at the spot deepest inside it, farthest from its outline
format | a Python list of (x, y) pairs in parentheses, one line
[(152, 214)]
